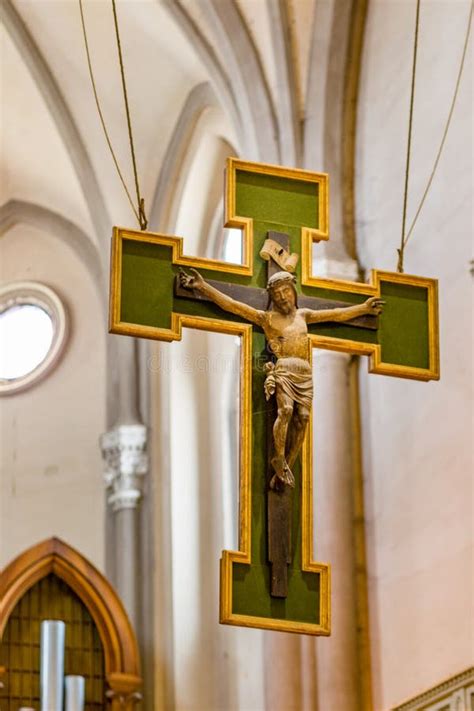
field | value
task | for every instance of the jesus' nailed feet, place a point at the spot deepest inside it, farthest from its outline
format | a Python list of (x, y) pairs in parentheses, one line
[(282, 474)]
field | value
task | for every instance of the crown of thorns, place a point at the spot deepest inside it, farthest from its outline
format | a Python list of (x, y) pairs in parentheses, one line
[(280, 277)]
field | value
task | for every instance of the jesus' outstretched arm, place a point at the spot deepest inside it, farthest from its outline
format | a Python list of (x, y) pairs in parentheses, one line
[(196, 282), (373, 306)]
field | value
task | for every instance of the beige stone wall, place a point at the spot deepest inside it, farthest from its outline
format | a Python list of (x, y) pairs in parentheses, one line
[(51, 473)]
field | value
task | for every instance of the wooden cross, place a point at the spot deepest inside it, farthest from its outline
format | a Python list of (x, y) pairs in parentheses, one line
[(146, 302)]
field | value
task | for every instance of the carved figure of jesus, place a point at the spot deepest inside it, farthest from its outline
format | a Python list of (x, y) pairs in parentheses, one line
[(289, 379)]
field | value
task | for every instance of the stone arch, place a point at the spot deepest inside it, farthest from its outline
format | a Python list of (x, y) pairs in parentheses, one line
[(247, 74), (179, 158), (122, 663), (210, 60), (19, 211), (62, 117), (200, 98), (238, 74)]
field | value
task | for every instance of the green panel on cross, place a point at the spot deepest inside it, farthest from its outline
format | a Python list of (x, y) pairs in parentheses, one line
[(147, 284), (404, 328), (283, 201), (251, 585), (147, 287)]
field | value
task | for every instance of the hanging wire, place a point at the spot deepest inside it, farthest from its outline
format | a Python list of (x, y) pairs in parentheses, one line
[(140, 212), (141, 203), (405, 238), (445, 133), (410, 123)]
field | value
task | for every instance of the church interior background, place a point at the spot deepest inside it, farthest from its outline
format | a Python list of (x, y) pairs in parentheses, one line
[(127, 450)]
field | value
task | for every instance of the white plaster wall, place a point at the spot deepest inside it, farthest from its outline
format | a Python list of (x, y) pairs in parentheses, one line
[(417, 436), (50, 468)]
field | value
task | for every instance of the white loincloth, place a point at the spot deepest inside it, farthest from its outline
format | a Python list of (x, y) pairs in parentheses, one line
[(293, 376)]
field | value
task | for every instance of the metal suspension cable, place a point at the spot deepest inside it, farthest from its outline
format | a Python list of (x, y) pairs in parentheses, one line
[(139, 213), (406, 237), (445, 132), (410, 123), (141, 203)]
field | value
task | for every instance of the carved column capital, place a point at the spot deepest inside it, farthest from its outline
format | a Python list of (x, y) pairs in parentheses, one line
[(123, 702), (126, 463), (123, 694)]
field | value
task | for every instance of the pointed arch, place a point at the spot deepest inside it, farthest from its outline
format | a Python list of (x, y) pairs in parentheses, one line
[(22, 212), (243, 60), (238, 73), (200, 98), (210, 60), (121, 655), (179, 157)]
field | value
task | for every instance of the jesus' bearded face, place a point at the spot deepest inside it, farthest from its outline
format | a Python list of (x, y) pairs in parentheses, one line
[(283, 298)]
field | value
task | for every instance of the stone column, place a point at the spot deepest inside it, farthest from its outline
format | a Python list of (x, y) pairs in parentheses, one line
[(333, 513), (126, 463)]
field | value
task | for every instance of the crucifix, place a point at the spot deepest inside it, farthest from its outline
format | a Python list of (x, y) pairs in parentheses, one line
[(279, 309)]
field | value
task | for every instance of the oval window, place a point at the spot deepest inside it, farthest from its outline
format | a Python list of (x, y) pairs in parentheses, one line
[(32, 334), (27, 333)]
